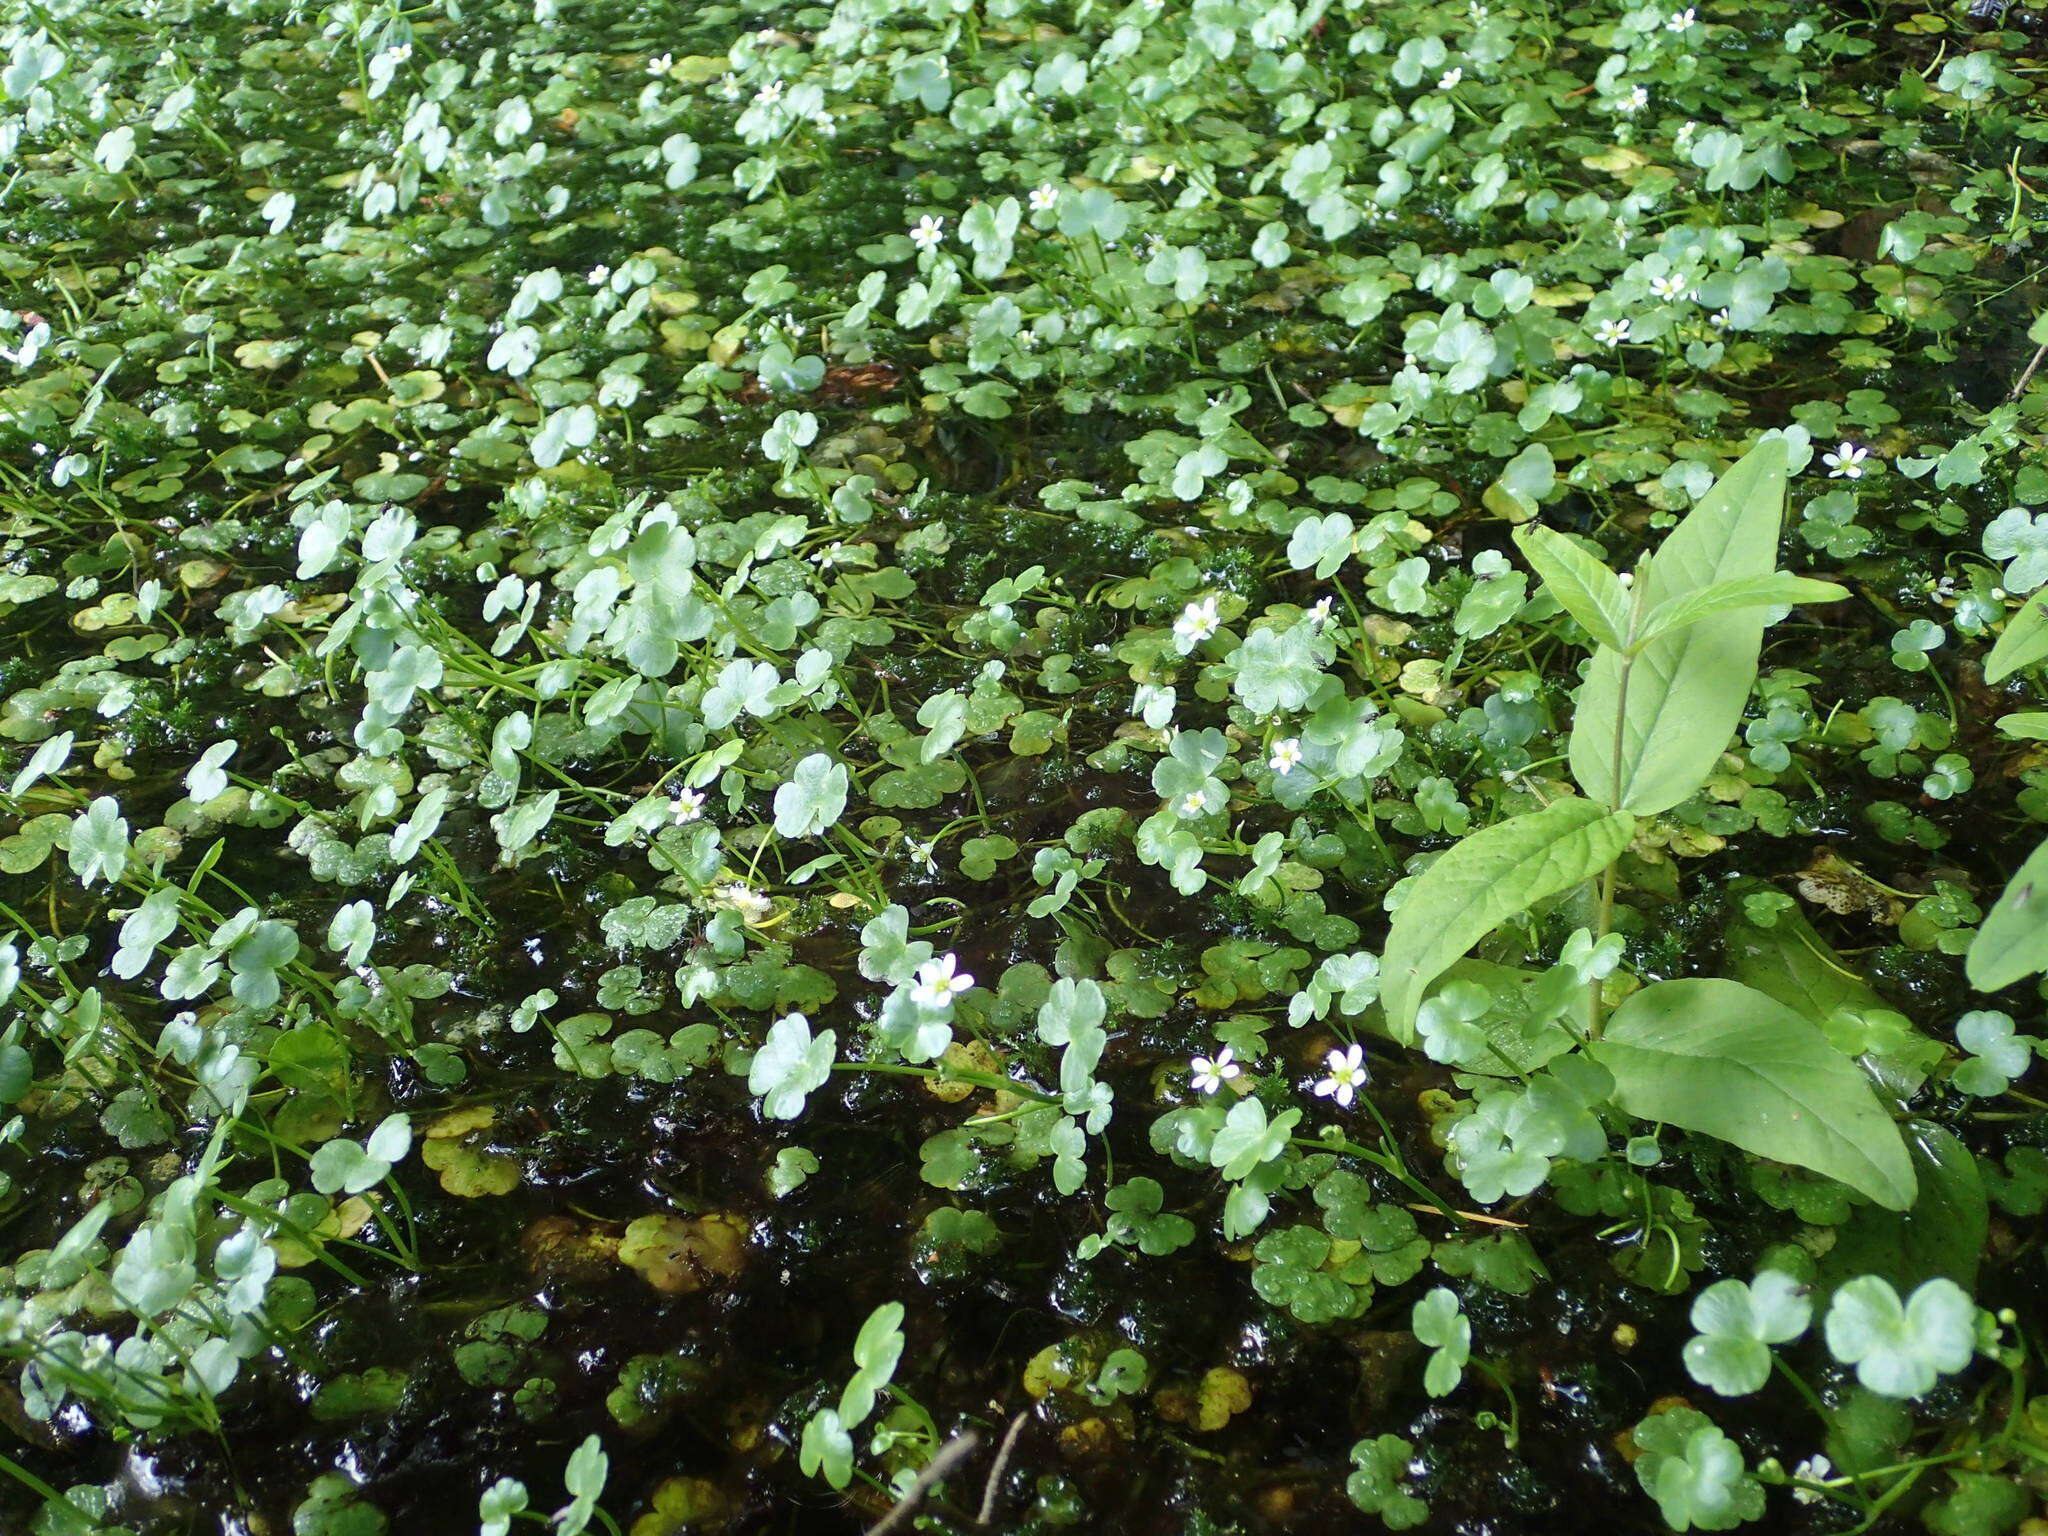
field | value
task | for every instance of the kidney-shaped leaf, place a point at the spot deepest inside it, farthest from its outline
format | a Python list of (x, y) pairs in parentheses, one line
[(1481, 883), (1724, 1060)]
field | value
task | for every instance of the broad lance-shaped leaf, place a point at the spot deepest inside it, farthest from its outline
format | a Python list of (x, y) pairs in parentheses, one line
[(1778, 589), (2024, 642), (1482, 882), (1685, 690), (1589, 591), (2013, 942), (1724, 1060)]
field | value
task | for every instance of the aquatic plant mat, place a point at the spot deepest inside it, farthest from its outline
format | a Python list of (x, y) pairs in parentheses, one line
[(1184, 769)]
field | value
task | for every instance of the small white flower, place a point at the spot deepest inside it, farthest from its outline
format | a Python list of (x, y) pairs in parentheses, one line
[(1347, 1076), (1846, 462), (750, 903), (1042, 198), (1682, 21), (688, 807), (1193, 803), (1720, 319), (1167, 173), (729, 87), (661, 64), (1626, 579), (1611, 333), (1633, 102), (824, 123), (1621, 231), (1450, 78), (1198, 621), (769, 93), (1670, 286), (1207, 1076), (928, 233), (940, 981), (831, 554), (1815, 1469), (1319, 612), (794, 326), (1286, 756), (922, 854), (597, 274), (1684, 135), (399, 53)]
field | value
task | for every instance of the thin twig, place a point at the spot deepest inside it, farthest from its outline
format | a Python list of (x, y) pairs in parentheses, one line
[(2033, 363), (949, 1456), (995, 1473)]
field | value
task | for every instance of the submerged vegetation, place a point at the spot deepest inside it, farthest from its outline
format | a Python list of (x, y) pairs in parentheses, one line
[(1210, 766)]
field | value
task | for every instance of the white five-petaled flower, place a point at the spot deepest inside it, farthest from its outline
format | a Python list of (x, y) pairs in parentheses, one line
[(1193, 803), (688, 807), (1815, 1469), (1043, 197), (1319, 612), (1198, 621), (1347, 1076), (661, 64), (1670, 286), (1286, 755), (769, 93), (597, 274), (940, 981), (1207, 1076), (928, 233), (1846, 462), (1611, 333), (1720, 319), (922, 854), (1450, 77), (1634, 101), (1682, 21)]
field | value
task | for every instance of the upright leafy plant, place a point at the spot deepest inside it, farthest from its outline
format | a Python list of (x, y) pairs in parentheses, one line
[(1676, 646)]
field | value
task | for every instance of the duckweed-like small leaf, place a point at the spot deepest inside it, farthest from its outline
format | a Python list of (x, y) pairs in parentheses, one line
[(1901, 1349), (1735, 1324)]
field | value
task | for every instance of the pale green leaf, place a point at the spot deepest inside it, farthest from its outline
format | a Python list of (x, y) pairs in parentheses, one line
[(2013, 941), (2024, 641), (1724, 1060), (1572, 574), (1778, 589), (1650, 730), (1482, 882)]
